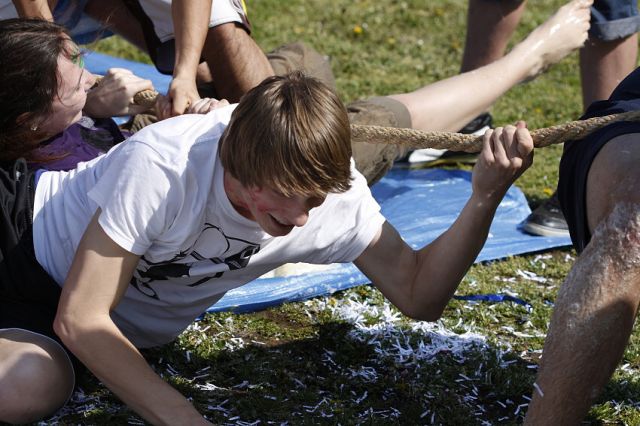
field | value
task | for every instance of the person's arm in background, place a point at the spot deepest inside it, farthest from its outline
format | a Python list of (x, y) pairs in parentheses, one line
[(190, 23), (33, 9)]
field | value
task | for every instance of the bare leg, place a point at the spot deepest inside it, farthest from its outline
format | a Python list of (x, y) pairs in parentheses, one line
[(235, 60), (490, 24), (36, 376), (603, 64), (448, 105), (598, 301)]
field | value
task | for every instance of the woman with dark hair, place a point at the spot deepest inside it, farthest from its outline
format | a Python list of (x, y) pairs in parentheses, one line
[(45, 120), (57, 117)]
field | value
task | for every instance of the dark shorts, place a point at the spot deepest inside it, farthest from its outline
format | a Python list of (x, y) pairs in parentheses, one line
[(28, 295), (613, 19), (375, 160), (579, 155)]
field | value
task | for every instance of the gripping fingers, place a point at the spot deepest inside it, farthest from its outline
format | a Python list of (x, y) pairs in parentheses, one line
[(220, 103), (524, 142), (498, 146), (509, 143), (163, 107), (487, 152)]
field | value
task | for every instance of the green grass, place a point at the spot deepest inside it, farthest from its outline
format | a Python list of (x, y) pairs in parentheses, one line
[(312, 363)]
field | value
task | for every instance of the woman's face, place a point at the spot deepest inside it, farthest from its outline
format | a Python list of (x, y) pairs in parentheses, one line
[(74, 82)]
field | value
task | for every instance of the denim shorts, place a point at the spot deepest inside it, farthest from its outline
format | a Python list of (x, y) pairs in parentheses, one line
[(614, 19)]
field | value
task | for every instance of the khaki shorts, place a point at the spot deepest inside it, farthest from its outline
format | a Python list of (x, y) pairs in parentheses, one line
[(375, 160), (372, 160)]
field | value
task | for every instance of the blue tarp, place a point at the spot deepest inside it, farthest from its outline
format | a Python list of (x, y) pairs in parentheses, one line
[(421, 204), (99, 63)]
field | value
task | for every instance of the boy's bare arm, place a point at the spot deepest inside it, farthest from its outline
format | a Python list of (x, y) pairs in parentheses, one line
[(97, 280), (421, 282)]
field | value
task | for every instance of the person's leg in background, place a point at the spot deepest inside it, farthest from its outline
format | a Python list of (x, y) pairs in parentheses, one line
[(235, 61), (565, 31), (612, 50), (445, 104), (490, 25), (117, 17), (36, 376)]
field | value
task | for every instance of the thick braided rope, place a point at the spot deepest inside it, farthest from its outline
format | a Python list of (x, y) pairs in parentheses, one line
[(146, 98), (416, 139)]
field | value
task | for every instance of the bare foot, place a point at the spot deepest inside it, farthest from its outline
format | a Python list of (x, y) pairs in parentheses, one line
[(558, 36)]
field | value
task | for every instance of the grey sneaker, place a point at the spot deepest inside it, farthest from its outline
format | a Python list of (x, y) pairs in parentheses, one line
[(547, 220)]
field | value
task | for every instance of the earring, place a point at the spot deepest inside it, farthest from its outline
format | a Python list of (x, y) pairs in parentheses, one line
[(34, 127)]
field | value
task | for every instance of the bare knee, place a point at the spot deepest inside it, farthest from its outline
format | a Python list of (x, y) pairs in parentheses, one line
[(619, 235), (36, 376)]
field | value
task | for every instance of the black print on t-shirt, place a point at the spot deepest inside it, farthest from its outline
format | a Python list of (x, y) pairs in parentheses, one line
[(213, 254)]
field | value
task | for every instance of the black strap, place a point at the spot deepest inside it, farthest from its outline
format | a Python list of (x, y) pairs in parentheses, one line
[(16, 204)]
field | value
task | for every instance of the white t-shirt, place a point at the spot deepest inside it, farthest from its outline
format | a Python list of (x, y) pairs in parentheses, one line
[(161, 194)]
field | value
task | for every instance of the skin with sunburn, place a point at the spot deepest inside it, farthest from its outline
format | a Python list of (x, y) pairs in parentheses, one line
[(276, 214)]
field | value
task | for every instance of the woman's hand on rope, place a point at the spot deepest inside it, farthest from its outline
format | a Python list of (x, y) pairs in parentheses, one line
[(204, 105), (506, 153), (114, 95)]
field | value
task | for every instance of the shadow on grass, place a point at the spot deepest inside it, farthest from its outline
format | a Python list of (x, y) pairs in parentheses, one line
[(329, 379)]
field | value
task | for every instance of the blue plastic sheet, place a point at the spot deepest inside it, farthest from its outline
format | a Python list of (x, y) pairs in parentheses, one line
[(495, 298), (421, 204), (99, 63)]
